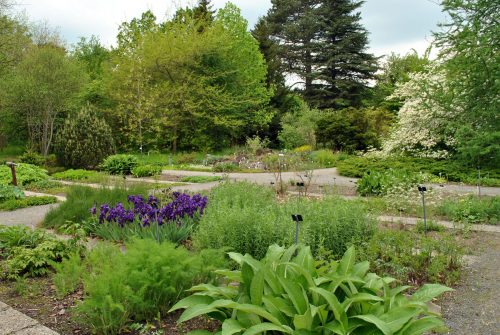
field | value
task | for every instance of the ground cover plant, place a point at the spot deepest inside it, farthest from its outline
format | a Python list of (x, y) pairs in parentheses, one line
[(141, 284), (46, 186), (81, 175), (288, 294), (171, 219), (441, 170), (200, 179), (146, 171), (13, 204), (414, 258), (80, 199), (472, 210), (26, 174), (247, 218), (30, 253)]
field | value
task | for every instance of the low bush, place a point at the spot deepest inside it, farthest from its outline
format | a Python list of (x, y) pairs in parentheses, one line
[(80, 199), (381, 183), (287, 294), (9, 192), (141, 283), (32, 157), (247, 218), (200, 179), (257, 145), (186, 158), (324, 158), (225, 167), (158, 220), (120, 164), (13, 204), (146, 171), (414, 258), (472, 210), (79, 175), (26, 174), (30, 253)]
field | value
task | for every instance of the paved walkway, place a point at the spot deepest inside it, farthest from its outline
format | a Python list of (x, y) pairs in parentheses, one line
[(30, 217), (13, 322)]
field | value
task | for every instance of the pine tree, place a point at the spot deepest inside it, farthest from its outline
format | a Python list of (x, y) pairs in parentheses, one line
[(323, 43)]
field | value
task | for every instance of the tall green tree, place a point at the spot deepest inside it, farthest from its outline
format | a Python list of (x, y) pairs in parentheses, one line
[(41, 90), (323, 43)]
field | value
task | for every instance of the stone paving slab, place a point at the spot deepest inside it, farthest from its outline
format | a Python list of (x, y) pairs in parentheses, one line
[(13, 322)]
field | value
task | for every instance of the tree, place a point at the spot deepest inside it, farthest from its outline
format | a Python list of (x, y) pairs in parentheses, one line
[(14, 39), (323, 43), (41, 90), (84, 141)]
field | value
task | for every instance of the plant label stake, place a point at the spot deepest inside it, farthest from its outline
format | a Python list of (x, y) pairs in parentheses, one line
[(301, 188), (297, 218), (12, 166), (479, 181), (422, 190), (280, 156)]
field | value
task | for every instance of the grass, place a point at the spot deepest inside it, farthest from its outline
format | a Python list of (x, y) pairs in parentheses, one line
[(84, 176), (10, 153), (13, 204), (472, 210), (200, 179), (80, 199)]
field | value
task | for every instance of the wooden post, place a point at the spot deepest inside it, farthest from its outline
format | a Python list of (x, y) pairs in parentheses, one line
[(13, 171)]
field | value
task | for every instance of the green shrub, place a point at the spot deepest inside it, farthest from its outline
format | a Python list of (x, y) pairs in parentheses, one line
[(13, 204), (146, 170), (324, 158), (139, 284), (26, 174), (84, 140), (30, 253), (414, 258), (283, 294), (225, 167), (79, 175), (186, 158), (200, 179), (120, 164), (80, 199), (8, 192), (32, 157), (68, 274), (430, 226), (247, 218), (256, 146), (381, 183), (472, 210)]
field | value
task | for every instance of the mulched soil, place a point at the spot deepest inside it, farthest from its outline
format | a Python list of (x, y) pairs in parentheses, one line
[(38, 301)]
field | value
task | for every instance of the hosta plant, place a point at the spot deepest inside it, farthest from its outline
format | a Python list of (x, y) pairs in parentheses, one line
[(287, 292)]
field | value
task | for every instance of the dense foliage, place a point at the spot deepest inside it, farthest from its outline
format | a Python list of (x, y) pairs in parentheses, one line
[(26, 174), (120, 164), (287, 292), (84, 141), (139, 284), (247, 218)]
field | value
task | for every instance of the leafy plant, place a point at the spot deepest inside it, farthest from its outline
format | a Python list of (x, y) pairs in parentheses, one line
[(472, 210), (146, 170), (431, 226), (414, 258), (380, 183), (120, 164), (324, 158), (26, 174), (32, 157), (256, 146), (84, 140), (247, 218), (68, 274), (79, 175), (8, 192), (200, 179), (44, 186), (138, 285), (13, 204), (225, 167), (287, 294)]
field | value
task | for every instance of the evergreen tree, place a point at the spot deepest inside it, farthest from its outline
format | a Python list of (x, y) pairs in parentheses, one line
[(323, 43)]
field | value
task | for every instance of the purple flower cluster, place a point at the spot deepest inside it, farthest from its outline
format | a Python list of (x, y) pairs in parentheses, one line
[(149, 211)]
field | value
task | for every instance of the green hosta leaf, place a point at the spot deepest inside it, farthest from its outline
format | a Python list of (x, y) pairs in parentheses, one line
[(271, 306), (347, 262), (305, 260), (257, 288), (421, 326), (335, 327), (361, 269), (296, 295), (381, 325), (281, 304), (335, 306), (231, 326), (428, 292), (191, 301), (226, 292), (238, 258), (263, 327), (397, 317), (234, 276), (303, 321)]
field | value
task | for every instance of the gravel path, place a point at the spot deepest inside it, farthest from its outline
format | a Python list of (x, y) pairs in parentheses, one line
[(474, 308), (30, 217)]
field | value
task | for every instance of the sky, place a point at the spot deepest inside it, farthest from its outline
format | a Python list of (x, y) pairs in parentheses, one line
[(394, 25)]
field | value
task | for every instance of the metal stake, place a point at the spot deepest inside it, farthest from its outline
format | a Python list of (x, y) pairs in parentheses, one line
[(422, 190), (479, 181), (297, 218)]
